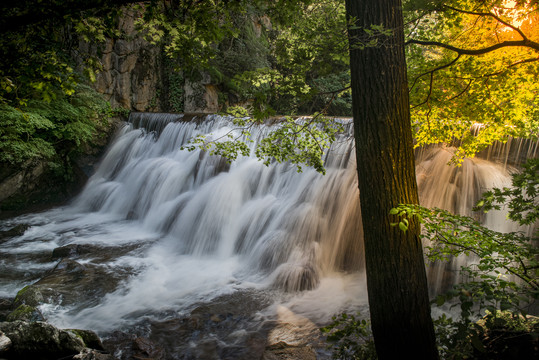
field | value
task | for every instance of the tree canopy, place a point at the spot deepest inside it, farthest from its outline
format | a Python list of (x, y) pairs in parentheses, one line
[(472, 67), (473, 63)]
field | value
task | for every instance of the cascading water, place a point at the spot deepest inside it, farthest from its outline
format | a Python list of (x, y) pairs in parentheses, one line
[(458, 189), (167, 229), (199, 227)]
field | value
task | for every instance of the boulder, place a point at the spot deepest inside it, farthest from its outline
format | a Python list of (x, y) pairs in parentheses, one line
[(40, 341), (28, 295), (25, 313), (17, 230), (5, 308), (291, 338), (90, 338)]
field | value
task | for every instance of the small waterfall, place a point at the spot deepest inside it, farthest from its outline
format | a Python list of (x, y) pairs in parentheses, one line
[(289, 227), (458, 189), (202, 227), (511, 152)]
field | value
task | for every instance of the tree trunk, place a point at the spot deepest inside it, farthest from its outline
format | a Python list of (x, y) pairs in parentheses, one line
[(396, 276)]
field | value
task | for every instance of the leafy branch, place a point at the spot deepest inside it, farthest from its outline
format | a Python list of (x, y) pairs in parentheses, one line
[(488, 14), (297, 141)]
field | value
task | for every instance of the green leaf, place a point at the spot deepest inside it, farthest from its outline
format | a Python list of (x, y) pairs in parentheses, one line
[(403, 227)]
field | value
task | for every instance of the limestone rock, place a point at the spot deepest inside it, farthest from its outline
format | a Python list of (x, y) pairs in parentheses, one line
[(5, 343), (291, 338)]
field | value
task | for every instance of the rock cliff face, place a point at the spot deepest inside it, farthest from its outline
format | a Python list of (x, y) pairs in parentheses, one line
[(134, 76), (131, 71)]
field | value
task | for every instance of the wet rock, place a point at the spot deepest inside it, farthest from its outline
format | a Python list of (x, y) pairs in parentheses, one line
[(5, 343), (144, 348), (14, 231), (207, 349), (28, 295), (134, 347), (92, 354), (70, 251), (5, 308), (25, 313), (71, 282), (291, 338), (294, 277), (40, 341), (285, 352), (27, 301), (224, 328), (90, 338)]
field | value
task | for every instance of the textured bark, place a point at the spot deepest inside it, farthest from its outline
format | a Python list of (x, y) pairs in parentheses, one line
[(396, 277)]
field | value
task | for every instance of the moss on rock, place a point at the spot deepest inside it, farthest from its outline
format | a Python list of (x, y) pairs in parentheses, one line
[(26, 313)]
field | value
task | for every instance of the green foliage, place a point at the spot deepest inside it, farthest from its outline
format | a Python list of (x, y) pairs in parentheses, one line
[(188, 34), (350, 338), (502, 276), (46, 113), (245, 51), (311, 55), (17, 143), (36, 61), (458, 339), (451, 90), (298, 141), (36, 74), (45, 130), (176, 92)]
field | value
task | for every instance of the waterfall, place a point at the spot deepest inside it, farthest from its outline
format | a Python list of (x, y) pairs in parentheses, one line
[(201, 226), (287, 226)]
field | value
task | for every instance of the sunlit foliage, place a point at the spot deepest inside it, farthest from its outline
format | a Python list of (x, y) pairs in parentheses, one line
[(473, 62)]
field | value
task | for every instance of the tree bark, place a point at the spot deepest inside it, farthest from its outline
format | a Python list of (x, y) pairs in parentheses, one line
[(396, 276)]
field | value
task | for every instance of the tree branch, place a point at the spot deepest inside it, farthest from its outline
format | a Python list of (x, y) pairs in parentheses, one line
[(474, 52), (489, 14), (431, 72)]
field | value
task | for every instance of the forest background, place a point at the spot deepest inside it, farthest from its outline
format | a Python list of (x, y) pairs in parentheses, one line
[(471, 65)]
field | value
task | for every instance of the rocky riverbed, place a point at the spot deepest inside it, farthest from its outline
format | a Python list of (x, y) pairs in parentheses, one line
[(241, 325)]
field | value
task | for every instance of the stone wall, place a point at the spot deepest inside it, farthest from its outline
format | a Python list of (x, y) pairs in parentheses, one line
[(201, 97), (134, 76), (131, 71)]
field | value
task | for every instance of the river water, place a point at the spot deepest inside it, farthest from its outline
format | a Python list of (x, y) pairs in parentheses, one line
[(161, 234)]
